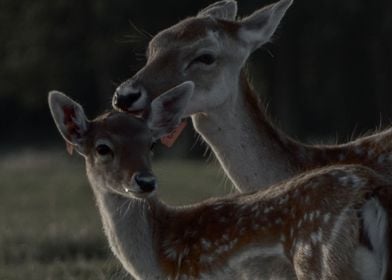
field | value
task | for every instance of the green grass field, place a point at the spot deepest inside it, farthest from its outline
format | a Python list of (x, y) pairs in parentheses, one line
[(49, 224)]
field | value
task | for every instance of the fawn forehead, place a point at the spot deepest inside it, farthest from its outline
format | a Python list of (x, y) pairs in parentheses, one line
[(120, 126), (189, 31)]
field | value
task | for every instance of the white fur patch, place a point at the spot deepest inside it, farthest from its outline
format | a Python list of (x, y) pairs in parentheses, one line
[(375, 225), (365, 263)]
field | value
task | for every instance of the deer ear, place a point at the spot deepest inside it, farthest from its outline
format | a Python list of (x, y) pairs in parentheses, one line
[(168, 109), (226, 10), (70, 120), (258, 28)]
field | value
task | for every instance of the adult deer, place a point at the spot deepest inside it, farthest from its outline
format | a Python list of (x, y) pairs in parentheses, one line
[(330, 223), (211, 50)]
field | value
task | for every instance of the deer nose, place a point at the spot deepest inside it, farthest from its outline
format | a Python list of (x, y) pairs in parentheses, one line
[(146, 182), (124, 98)]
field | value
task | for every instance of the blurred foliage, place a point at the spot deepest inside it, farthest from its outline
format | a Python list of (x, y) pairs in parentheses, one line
[(330, 68)]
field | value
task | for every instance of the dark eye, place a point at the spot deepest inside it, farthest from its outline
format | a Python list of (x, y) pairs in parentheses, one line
[(152, 146), (206, 59), (103, 150)]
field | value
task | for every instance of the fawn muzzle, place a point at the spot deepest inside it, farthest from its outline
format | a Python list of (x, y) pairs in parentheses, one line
[(146, 182)]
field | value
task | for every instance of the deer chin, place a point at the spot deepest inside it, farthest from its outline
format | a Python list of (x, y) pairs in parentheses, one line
[(134, 191), (135, 113)]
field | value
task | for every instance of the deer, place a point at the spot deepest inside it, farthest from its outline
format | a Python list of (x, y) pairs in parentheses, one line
[(211, 50), (328, 223)]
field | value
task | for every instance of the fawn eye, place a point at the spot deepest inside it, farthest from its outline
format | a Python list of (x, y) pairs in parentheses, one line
[(152, 146), (104, 150), (205, 59)]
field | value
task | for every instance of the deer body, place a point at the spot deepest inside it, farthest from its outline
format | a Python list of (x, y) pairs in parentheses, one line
[(211, 50), (231, 238), (325, 224)]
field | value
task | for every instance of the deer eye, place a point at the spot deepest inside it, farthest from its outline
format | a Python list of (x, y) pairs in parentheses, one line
[(152, 146), (204, 59), (103, 150)]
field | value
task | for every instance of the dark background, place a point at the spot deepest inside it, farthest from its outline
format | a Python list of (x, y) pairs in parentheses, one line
[(327, 74)]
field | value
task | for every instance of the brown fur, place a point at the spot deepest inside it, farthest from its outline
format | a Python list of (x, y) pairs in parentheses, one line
[(220, 221)]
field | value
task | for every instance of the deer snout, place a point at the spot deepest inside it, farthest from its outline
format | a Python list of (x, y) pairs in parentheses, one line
[(146, 182), (129, 97)]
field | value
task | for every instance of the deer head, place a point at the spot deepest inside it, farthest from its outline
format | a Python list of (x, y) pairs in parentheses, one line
[(209, 49), (116, 146)]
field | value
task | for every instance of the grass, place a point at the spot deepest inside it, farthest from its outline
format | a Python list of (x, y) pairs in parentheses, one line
[(50, 227)]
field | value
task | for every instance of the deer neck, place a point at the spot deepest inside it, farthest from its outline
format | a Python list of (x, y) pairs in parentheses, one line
[(127, 224), (251, 151)]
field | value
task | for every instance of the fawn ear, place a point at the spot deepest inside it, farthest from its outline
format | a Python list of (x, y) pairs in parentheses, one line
[(70, 120), (258, 28), (226, 10), (168, 109)]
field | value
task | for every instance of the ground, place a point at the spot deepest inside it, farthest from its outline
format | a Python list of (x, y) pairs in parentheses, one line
[(49, 224)]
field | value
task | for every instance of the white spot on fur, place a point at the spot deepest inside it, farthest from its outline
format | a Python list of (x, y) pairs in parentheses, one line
[(283, 200), (206, 259), (256, 251), (268, 209), (205, 244), (218, 207), (315, 237), (327, 217), (255, 226), (170, 253), (291, 232), (278, 221), (311, 215), (307, 250), (185, 252), (375, 225)]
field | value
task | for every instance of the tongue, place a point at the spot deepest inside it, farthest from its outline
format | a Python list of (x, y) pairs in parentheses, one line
[(171, 138)]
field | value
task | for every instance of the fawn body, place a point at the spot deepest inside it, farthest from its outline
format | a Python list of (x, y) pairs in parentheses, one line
[(211, 50), (330, 223)]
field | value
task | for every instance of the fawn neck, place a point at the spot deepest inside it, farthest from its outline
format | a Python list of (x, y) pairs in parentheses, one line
[(251, 151), (128, 226)]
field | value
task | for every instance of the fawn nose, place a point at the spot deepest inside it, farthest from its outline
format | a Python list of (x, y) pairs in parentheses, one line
[(146, 182), (126, 96)]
